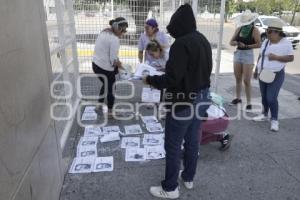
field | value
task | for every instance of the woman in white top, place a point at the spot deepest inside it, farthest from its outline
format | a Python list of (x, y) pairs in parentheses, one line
[(105, 60), (275, 52)]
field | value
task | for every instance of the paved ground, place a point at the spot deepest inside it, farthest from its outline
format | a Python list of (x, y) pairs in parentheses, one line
[(260, 165)]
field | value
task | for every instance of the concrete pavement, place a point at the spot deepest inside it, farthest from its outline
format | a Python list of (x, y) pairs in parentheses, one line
[(260, 165)]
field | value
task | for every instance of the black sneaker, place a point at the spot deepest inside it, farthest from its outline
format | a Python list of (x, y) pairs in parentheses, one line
[(248, 107), (225, 142), (236, 101)]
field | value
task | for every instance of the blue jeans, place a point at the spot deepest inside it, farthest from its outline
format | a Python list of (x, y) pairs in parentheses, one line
[(176, 131), (269, 94)]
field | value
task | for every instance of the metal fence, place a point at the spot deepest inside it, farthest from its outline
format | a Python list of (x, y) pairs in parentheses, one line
[(92, 16), (63, 54)]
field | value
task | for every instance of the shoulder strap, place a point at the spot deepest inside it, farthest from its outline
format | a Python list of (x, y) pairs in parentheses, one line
[(263, 55)]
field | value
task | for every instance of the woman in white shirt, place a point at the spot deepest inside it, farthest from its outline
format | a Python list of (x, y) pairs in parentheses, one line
[(275, 52), (106, 61)]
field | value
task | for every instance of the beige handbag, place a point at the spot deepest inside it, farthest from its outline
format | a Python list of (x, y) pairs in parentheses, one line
[(266, 75)]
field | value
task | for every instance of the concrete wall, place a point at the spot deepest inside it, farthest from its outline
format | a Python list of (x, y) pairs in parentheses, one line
[(30, 160)]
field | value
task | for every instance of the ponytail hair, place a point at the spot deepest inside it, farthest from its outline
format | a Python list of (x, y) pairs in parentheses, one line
[(154, 45)]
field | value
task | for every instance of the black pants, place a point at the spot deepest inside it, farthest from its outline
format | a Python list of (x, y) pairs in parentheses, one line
[(107, 85)]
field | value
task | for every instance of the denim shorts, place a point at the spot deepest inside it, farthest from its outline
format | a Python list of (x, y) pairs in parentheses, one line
[(244, 56)]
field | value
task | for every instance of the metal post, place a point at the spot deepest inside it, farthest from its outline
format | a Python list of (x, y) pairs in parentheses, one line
[(112, 8), (195, 8), (161, 11), (218, 59)]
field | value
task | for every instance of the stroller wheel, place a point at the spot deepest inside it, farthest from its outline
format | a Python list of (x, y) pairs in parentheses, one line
[(225, 142)]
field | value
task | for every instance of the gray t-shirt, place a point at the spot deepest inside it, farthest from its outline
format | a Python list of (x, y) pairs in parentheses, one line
[(106, 50)]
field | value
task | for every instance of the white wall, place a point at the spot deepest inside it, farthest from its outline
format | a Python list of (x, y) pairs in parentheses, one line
[(30, 160)]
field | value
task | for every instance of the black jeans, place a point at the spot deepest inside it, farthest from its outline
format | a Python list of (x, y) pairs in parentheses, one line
[(107, 85)]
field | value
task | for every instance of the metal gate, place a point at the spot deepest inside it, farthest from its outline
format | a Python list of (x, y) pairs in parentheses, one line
[(91, 16)]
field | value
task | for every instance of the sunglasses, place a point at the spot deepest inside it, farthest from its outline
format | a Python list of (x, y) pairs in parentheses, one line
[(272, 31)]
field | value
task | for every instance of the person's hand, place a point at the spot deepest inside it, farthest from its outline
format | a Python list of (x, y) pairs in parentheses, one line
[(272, 56), (145, 80), (241, 45), (118, 64), (255, 75)]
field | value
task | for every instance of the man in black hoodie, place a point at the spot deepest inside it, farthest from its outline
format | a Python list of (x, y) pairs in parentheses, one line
[(187, 80)]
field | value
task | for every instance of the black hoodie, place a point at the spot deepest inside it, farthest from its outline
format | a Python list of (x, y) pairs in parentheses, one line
[(189, 66)]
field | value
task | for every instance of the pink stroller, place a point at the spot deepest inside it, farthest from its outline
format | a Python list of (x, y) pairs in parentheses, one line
[(213, 130)]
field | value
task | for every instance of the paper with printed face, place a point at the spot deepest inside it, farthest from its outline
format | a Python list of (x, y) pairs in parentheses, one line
[(88, 142), (143, 70), (155, 152), (89, 151), (103, 164), (154, 127), (150, 95), (135, 154), (89, 114), (92, 131), (149, 119), (130, 142), (153, 139), (110, 129), (133, 129), (82, 165)]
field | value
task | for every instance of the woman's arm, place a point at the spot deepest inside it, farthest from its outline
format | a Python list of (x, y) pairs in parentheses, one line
[(256, 36), (140, 55), (284, 59), (233, 42)]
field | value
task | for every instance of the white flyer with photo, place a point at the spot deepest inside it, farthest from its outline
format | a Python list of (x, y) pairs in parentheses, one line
[(84, 152), (111, 136), (153, 139), (149, 119), (150, 95), (145, 70), (135, 154), (89, 114), (111, 129), (133, 129), (130, 142), (88, 142), (82, 165), (155, 152), (89, 109), (154, 127), (104, 164), (92, 131)]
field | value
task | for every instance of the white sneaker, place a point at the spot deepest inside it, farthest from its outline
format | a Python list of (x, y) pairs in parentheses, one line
[(159, 192), (274, 125), (260, 118), (187, 185)]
